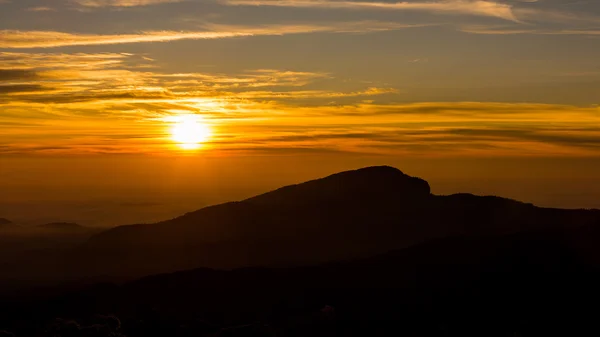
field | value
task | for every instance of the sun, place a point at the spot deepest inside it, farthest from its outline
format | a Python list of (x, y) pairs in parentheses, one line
[(189, 131)]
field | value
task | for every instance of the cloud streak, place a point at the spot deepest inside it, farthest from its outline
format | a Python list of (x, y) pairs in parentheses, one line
[(105, 103), (494, 30), (40, 9), (122, 3), (468, 7), (11, 39), (51, 39)]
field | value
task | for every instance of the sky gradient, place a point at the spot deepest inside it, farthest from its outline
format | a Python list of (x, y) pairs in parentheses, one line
[(437, 88)]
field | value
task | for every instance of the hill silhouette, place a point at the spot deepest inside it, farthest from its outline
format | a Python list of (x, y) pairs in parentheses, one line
[(5, 222), (347, 215)]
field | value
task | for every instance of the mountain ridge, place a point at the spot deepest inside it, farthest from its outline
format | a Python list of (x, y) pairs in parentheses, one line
[(349, 214)]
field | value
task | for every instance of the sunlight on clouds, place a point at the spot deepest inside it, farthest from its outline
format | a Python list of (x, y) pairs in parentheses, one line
[(121, 3), (26, 61), (105, 103), (50, 39), (254, 78), (53, 39), (481, 8), (40, 9)]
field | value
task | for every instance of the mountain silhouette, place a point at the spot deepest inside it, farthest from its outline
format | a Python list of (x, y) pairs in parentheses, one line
[(369, 252), (5, 222), (347, 215)]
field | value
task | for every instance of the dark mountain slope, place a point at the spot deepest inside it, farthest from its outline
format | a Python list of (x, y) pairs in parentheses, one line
[(346, 215), (535, 283), (319, 204)]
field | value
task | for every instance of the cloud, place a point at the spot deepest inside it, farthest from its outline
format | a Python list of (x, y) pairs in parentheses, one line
[(21, 88), (495, 30), (579, 32), (556, 16), (249, 79), (107, 82), (50, 39), (122, 3), (315, 94), (441, 137), (468, 7), (40, 9), (54, 103), (16, 74), (28, 61)]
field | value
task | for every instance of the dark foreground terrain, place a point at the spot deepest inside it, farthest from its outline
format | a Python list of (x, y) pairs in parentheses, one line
[(361, 253)]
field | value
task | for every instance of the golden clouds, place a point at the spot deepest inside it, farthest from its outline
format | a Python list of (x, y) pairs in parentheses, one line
[(57, 60), (40, 9), (307, 94), (111, 103), (495, 30), (480, 8), (121, 3), (51, 39), (252, 79), (110, 78), (118, 103)]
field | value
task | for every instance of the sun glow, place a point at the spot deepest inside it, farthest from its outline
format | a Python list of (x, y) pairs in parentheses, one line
[(189, 131)]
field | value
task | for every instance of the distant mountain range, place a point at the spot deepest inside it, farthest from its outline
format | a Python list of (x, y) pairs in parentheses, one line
[(17, 241), (63, 226), (49, 226), (347, 215)]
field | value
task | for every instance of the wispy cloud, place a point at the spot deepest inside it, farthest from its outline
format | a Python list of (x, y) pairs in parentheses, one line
[(40, 9), (304, 94), (547, 15), (117, 79), (469, 7), (537, 130), (29, 61), (495, 30), (250, 79), (105, 103), (121, 3), (51, 39), (579, 32)]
